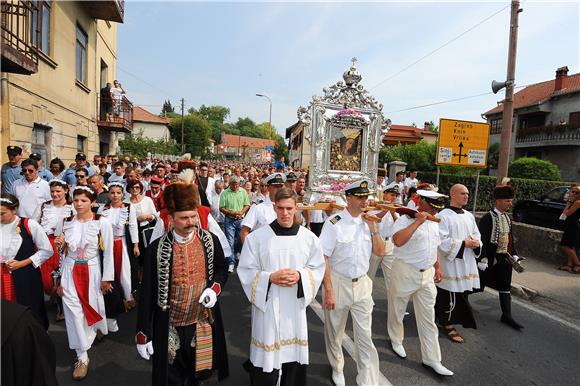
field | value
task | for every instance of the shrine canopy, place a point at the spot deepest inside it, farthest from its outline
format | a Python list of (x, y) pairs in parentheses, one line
[(344, 128)]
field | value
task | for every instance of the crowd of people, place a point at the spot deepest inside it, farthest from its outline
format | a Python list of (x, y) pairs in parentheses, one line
[(102, 238)]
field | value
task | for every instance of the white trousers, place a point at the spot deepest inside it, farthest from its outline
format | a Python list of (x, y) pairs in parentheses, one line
[(356, 298), (385, 261), (408, 282)]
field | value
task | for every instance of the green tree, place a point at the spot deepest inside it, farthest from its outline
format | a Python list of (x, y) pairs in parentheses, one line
[(136, 145), (493, 156), (280, 149), (433, 127), (533, 168), (167, 108), (216, 116), (420, 156), (197, 132)]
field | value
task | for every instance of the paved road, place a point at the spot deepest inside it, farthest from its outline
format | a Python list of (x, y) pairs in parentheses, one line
[(546, 353)]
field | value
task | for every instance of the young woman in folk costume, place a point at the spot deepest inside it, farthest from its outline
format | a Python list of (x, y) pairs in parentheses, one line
[(24, 248), (85, 278), (52, 216), (123, 219)]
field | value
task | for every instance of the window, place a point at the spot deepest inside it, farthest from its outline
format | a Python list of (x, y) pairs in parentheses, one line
[(39, 140), (574, 120), (496, 126), (81, 55), (81, 141), (41, 26)]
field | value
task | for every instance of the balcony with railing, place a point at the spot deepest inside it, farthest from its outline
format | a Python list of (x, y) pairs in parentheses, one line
[(555, 135), (106, 10), (18, 54), (116, 117)]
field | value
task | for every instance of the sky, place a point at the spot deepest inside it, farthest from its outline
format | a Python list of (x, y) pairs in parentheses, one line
[(409, 54)]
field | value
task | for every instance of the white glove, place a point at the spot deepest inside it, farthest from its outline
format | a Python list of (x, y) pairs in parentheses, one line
[(482, 266), (516, 258), (145, 350), (208, 298)]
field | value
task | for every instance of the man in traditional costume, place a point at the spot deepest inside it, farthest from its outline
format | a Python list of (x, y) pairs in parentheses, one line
[(348, 239), (415, 272), (179, 317), (281, 268), (459, 248), (497, 251), (263, 214)]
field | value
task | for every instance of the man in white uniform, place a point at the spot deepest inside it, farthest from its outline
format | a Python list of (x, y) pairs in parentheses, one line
[(348, 239), (263, 213), (460, 246), (281, 268), (386, 230), (415, 269)]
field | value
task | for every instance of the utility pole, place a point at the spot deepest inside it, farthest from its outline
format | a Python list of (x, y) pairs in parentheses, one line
[(508, 104), (182, 141)]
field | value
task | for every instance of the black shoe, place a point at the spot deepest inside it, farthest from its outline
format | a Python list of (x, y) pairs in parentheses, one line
[(511, 322)]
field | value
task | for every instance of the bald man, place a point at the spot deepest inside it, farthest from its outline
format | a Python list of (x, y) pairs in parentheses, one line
[(460, 245)]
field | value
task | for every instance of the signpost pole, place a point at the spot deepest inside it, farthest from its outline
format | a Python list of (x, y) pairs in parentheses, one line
[(437, 179), (475, 193)]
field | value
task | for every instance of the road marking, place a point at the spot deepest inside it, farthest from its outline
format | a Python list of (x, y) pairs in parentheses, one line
[(536, 309), (347, 343)]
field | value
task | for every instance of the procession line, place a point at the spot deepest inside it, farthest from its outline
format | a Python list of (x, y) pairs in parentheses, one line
[(536, 309), (347, 343)]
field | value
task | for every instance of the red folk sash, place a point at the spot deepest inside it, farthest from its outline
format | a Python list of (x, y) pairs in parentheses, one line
[(81, 280)]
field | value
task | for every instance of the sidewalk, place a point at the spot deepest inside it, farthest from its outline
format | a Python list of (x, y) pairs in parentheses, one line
[(542, 284)]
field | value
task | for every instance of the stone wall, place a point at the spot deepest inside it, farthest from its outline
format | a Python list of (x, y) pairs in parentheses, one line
[(537, 242)]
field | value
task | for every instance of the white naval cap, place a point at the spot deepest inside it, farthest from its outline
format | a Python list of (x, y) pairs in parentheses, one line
[(393, 187), (275, 179), (358, 188), (436, 200)]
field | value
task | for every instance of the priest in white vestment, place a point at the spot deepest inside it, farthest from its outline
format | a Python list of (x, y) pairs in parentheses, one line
[(459, 248), (281, 269)]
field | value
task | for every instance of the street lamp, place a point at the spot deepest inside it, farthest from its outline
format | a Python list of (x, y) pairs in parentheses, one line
[(270, 119)]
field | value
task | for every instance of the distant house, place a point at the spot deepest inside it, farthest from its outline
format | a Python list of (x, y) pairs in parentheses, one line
[(149, 124), (238, 147), (409, 135), (546, 123), (298, 146)]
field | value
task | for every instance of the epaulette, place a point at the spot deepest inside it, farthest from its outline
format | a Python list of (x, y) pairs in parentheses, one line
[(335, 219)]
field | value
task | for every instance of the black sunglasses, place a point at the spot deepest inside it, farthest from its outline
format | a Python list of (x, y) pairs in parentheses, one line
[(27, 171), (80, 176)]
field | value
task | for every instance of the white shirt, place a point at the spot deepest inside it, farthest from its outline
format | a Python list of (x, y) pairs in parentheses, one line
[(215, 208), (399, 199), (117, 93), (348, 243), (420, 250), (11, 242), (145, 206), (260, 215), (52, 220), (31, 196), (119, 217), (410, 183)]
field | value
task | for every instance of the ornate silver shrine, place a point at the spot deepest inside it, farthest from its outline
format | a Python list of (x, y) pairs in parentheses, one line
[(344, 128)]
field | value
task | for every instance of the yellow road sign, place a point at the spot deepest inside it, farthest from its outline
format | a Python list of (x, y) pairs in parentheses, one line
[(462, 143)]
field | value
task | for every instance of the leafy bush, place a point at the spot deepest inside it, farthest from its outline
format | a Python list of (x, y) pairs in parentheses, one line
[(534, 168), (525, 188), (420, 156)]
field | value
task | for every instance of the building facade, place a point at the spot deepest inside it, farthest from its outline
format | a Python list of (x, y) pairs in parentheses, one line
[(150, 125), (546, 123), (53, 107), (239, 147)]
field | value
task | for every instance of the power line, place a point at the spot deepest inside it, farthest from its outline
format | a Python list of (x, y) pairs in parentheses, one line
[(439, 48), (448, 101)]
